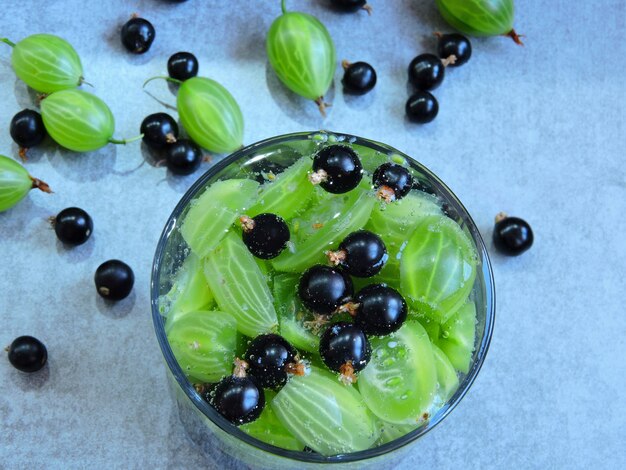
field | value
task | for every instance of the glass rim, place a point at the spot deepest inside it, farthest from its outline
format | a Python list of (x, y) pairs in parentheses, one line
[(209, 412)]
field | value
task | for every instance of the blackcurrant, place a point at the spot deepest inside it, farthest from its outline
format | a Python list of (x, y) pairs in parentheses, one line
[(239, 397), (422, 107), (345, 349), (159, 129), (265, 235), (392, 181), (352, 5), (381, 310), (337, 169), (137, 35), (182, 65), (426, 72), (114, 279), (323, 289), (73, 226), (361, 254), (512, 235), (27, 129), (27, 354), (358, 78), (269, 358), (455, 45), (183, 157)]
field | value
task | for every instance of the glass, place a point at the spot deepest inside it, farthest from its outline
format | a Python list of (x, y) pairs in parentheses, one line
[(204, 425)]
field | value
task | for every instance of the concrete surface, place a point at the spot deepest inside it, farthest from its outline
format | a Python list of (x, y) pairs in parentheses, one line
[(536, 131)]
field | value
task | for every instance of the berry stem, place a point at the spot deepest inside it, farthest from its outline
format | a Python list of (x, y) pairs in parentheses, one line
[(385, 193), (296, 368), (450, 60), (345, 64), (247, 223), (22, 153), (82, 81), (368, 8), (349, 307), (125, 141), (347, 376), (336, 257), (8, 41), (40, 185), (437, 34), (501, 216), (322, 105), (283, 6), (240, 368), (516, 37), (163, 77), (318, 177)]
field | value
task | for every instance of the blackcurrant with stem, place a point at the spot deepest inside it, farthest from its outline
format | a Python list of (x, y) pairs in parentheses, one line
[(182, 65), (266, 235), (344, 348), (183, 157), (159, 130), (73, 226), (456, 45), (323, 289), (361, 254), (27, 130), (337, 169), (238, 397), (352, 6), (380, 310), (511, 235), (392, 181), (27, 354), (358, 77), (114, 280), (427, 71), (270, 358), (137, 35), (422, 107)]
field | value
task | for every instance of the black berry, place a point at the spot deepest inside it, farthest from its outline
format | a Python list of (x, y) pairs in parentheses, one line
[(159, 129), (268, 357), (358, 78), (381, 310), (265, 235), (422, 107), (73, 226), (337, 169), (323, 289), (351, 6), (239, 399), (455, 45), (393, 181), (361, 254), (344, 348), (137, 35), (114, 280), (182, 65), (183, 157), (426, 72), (27, 129), (27, 354), (511, 235)]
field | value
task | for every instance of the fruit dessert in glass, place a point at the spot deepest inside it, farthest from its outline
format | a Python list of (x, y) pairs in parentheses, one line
[(319, 298)]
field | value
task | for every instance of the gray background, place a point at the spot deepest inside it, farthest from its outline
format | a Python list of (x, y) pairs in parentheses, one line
[(537, 131)]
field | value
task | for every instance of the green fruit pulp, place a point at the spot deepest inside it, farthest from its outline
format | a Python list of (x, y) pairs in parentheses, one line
[(432, 262), (15, 183), (478, 17)]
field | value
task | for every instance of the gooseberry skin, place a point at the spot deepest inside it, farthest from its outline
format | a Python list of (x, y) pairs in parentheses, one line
[(47, 63), (302, 54), (210, 115), (77, 120), (15, 183), (479, 17)]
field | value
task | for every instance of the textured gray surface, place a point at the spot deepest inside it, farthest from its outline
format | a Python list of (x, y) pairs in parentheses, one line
[(536, 131)]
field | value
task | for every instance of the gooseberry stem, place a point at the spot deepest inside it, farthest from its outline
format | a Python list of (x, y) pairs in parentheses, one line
[(169, 79), (283, 6), (516, 37), (7, 41), (41, 185), (125, 141)]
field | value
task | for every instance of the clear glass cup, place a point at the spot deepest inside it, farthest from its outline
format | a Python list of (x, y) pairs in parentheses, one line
[(204, 425)]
